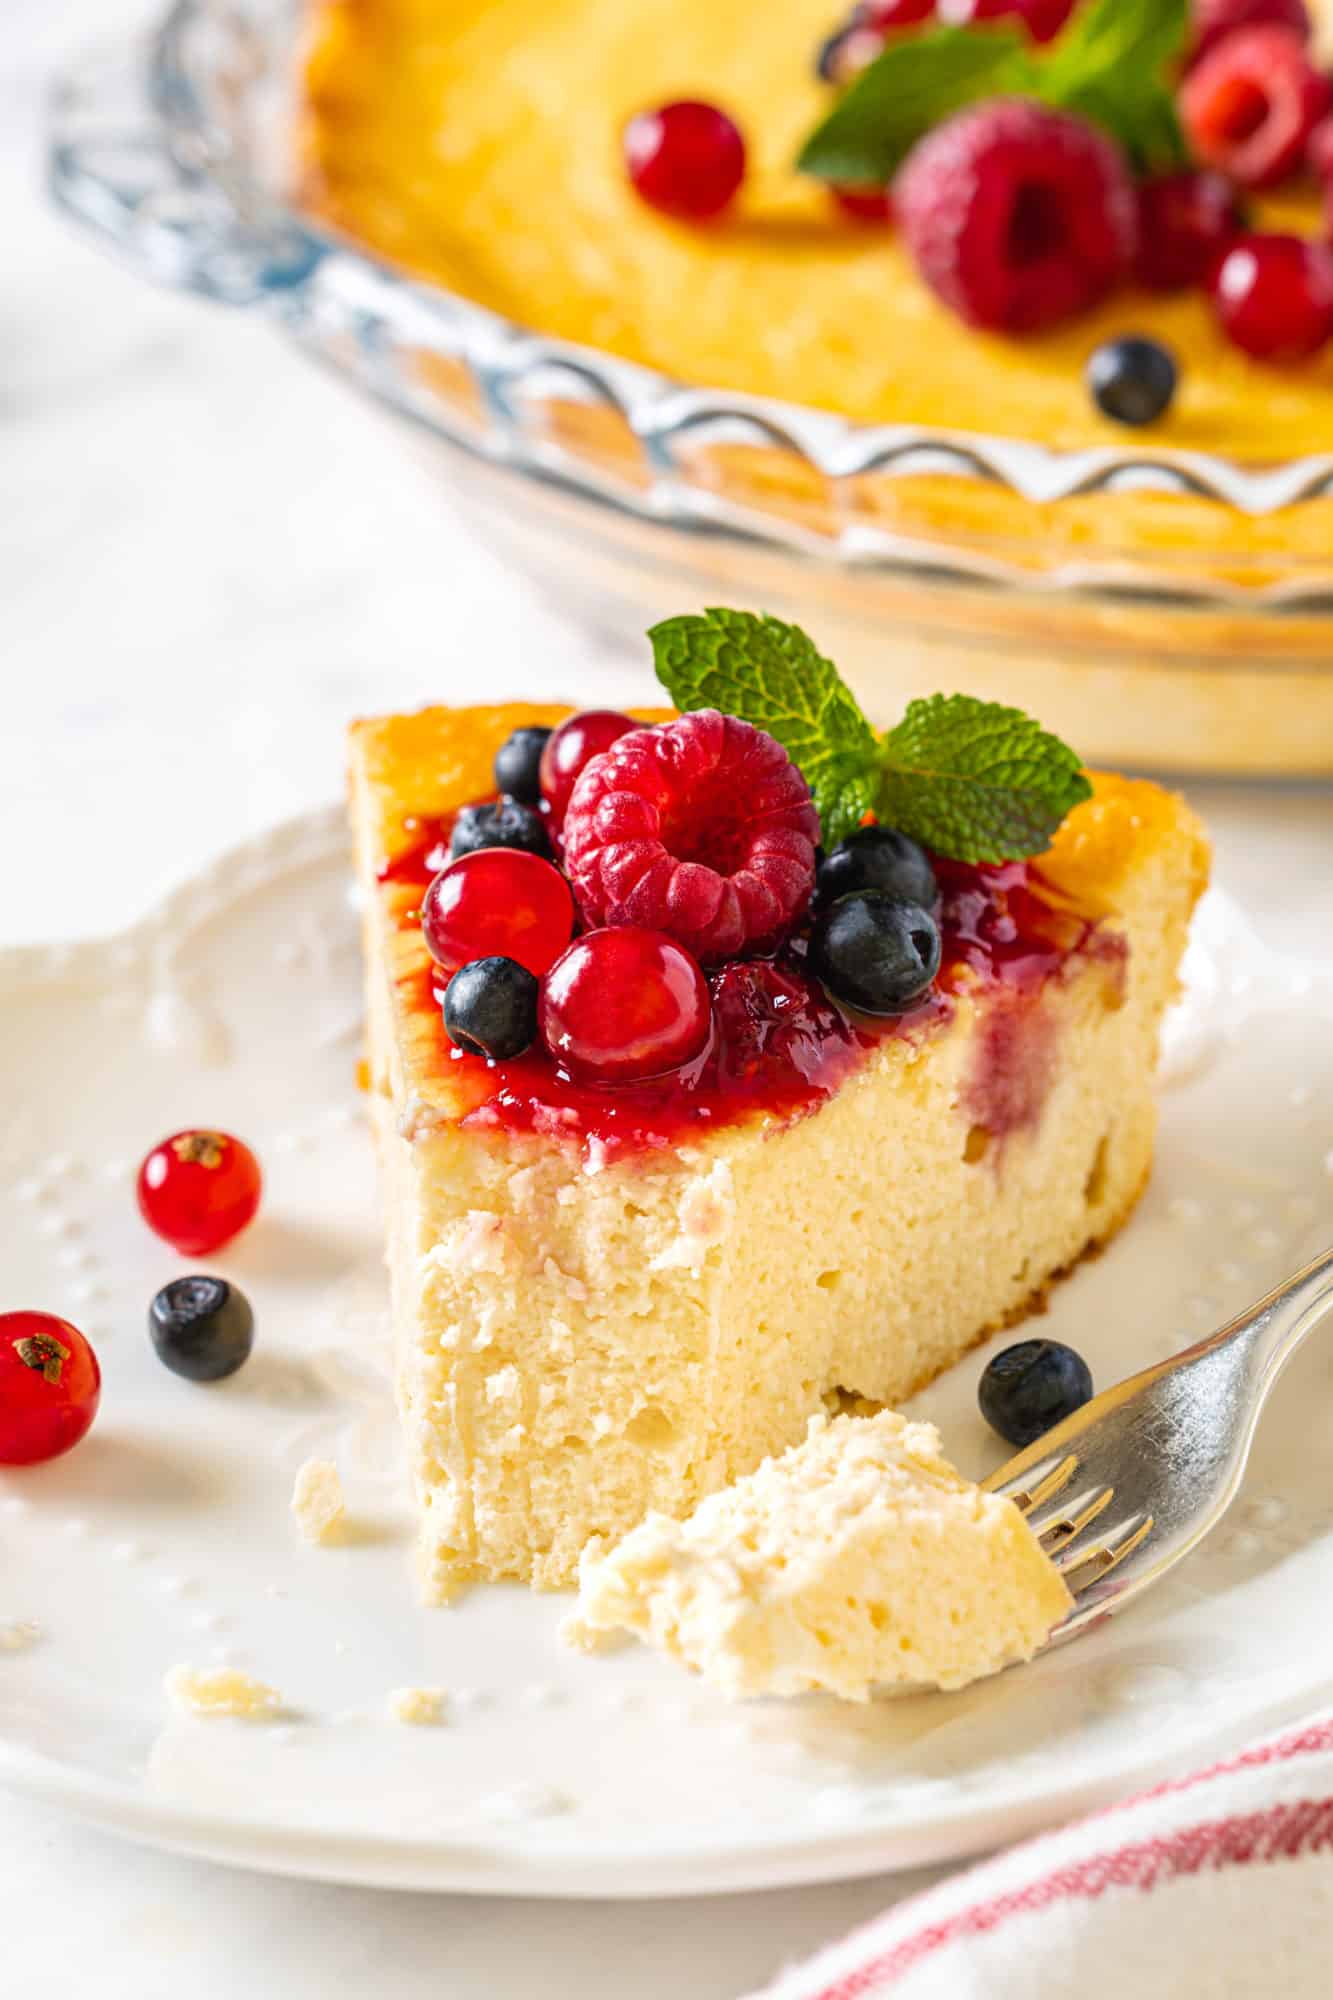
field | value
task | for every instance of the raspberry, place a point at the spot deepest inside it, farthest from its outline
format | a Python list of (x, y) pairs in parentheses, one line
[(1216, 19), (1249, 106), (1319, 152), (1274, 296), (1017, 216), (702, 828), (1186, 221)]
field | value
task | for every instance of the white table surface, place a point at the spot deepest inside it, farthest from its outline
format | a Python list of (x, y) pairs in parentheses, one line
[(211, 557)]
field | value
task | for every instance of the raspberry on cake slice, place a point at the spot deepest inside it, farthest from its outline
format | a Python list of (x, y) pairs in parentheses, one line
[(857, 1560), (671, 1165)]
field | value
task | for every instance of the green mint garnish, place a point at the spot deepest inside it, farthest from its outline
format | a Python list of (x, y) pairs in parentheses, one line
[(916, 82), (1111, 64), (977, 781), (771, 674), (970, 779)]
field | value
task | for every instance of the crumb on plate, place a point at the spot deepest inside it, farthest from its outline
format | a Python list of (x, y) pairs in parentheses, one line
[(423, 1707), (221, 1691), (317, 1501)]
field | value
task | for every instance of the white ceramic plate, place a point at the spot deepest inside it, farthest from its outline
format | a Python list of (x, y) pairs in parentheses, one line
[(166, 1538)]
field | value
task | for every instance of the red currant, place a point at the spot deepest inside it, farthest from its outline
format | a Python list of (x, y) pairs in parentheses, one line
[(864, 204), (1274, 296), (50, 1386), (890, 15), (572, 746), (198, 1189), (1186, 221), (687, 159), (623, 1004), (1043, 19), (498, 902)]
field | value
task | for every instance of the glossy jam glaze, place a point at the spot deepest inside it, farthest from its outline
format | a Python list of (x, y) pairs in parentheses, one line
[(780, 1047)]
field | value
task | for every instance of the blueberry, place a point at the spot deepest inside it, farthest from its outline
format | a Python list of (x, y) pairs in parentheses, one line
[(202, 1328), (1132, 380), (828, 53), (1032, 1386), (504, 824), (876, 857), (875, 953), (518, 765), (490, 1008)]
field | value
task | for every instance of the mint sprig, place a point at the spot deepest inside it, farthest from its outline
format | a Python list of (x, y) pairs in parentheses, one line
[(1111, 64), (771, 674), (970, 779), (977, 781)]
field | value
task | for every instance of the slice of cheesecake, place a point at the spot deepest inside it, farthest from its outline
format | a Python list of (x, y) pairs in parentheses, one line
[(609, 1301), (857, 1560)]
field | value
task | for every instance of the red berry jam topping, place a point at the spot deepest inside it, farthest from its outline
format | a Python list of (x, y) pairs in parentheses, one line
[(687, 159), (569, 748), (622, 1005), (702, 828), (1250, 105), (198, 1190), (1215, 19), (498, 903), (1017, 216), (1186, 221), (779, 1046), (1274, 296), (50, 1386)]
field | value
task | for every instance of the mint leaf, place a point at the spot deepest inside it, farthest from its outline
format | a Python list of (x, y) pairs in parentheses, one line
[(1110, 65), (772, 675), (911, 85), (977, 781)]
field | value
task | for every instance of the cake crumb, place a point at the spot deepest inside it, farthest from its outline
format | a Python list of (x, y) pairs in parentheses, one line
[(317, 1502), (423, 1708), (213, 1691), (17, 1636)]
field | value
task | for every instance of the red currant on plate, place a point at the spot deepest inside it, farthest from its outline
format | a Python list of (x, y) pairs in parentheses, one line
[(498, 902), (198, 1189), (623, 1004), (687, 159), (50, 1386)]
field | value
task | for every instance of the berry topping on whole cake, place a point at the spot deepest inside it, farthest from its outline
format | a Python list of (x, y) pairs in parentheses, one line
[(1018, 216)]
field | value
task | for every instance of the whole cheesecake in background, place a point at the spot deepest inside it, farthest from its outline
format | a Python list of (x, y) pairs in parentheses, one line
[(612, 1298), (480, 146)]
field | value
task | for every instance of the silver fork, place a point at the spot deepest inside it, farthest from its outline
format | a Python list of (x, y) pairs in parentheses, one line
[(1133, 1481)]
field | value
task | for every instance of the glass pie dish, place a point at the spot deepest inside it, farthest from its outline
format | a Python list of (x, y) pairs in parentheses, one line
[(1160, 607)]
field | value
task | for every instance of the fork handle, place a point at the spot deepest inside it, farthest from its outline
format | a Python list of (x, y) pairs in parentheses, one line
[(1272, 1330)]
